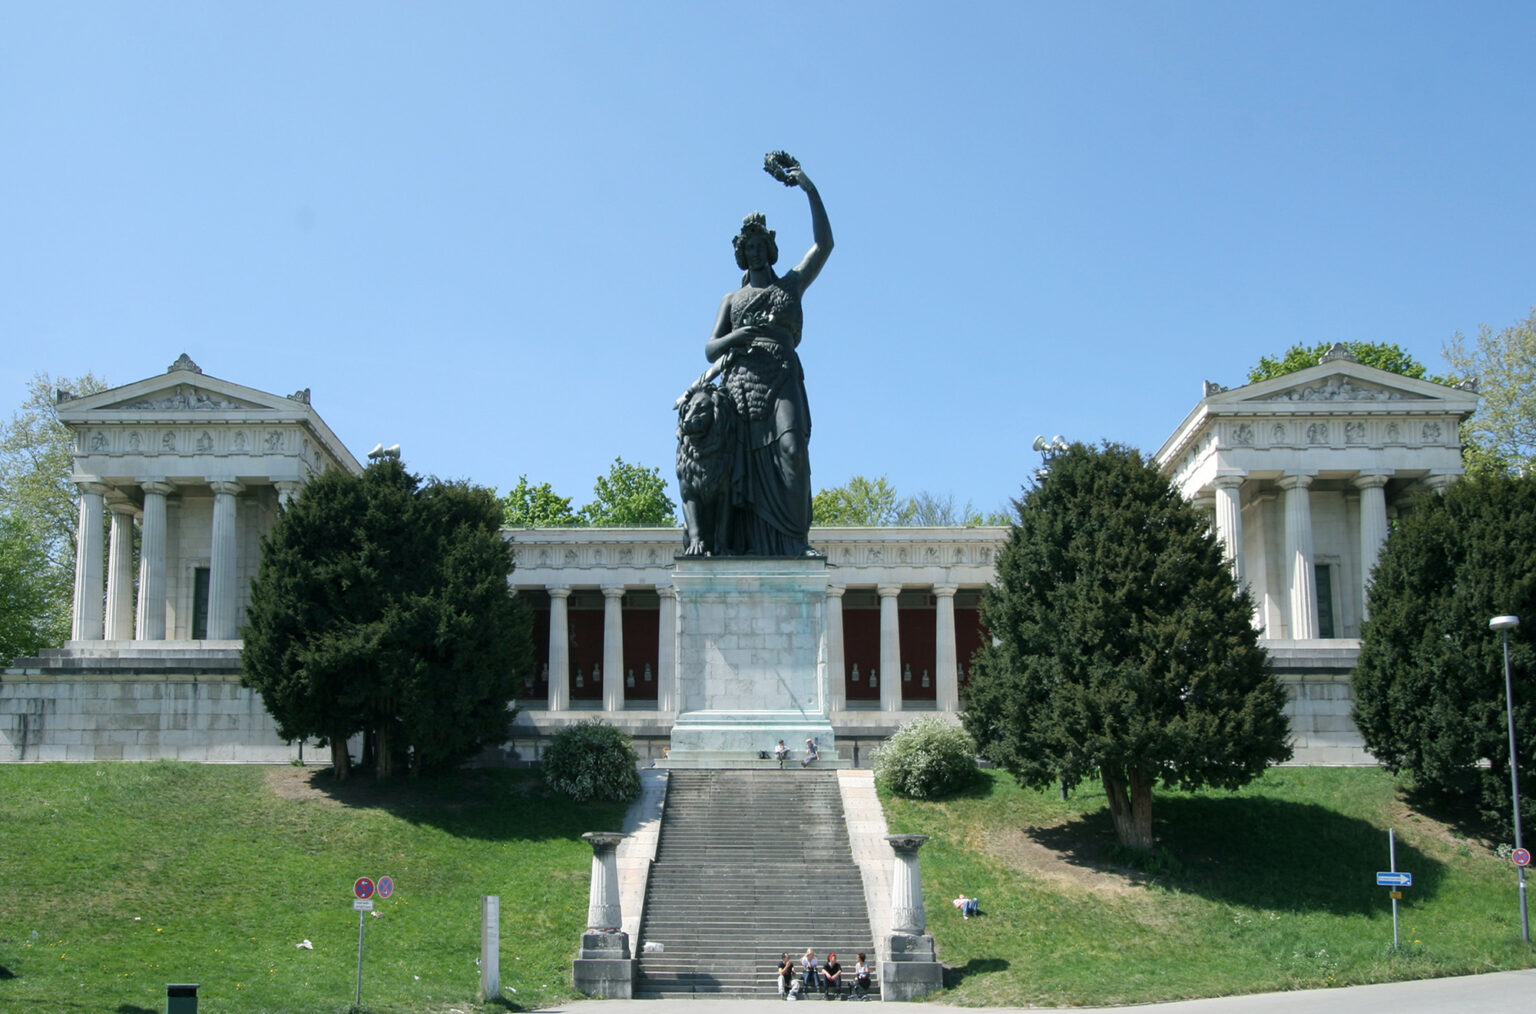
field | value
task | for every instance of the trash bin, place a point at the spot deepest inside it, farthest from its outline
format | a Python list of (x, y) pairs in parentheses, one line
[(181, 998)]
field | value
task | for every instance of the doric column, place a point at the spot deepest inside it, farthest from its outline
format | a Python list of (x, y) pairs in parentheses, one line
[(613, 648), (603, 910), (1373, 527), (666, 650), (946, 687), (907, 914), (837, 690), (149, 624), (1229, 521), (1440, 481), (287, 491), (559, 650), (120, 571), (1300, 577), (90, 580), (890, 649), (223, 588)]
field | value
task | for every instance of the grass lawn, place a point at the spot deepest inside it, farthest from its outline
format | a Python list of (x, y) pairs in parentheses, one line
[(1269, 888), (116, 879)]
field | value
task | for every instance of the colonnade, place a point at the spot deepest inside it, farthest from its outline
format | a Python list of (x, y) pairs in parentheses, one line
[(105, 605), (946, 675)]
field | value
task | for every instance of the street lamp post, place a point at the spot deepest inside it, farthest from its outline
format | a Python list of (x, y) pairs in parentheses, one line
[(1505, 624)]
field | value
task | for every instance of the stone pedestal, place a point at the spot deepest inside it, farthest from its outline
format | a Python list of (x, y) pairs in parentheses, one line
[(913, 969), (751, 659), (604, 966)]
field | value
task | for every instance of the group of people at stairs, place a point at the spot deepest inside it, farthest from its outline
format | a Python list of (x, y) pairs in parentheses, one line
[(812, 753), (826, 978)]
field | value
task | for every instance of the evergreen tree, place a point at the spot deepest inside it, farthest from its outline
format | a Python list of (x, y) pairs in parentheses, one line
[(1124, 648), (381, 606), (1429, 684)]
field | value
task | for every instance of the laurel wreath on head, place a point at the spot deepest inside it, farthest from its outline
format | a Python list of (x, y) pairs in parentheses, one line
[(778, 165)]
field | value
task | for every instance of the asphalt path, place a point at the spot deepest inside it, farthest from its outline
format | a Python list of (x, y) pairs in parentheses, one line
[(1495, 993)]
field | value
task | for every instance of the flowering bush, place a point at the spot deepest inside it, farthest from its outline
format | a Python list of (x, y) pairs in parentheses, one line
[(926, 759), (592, 761)]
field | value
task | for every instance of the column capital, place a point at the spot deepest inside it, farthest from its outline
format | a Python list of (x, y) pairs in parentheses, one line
[(558, 591), (888, 591), (1440, 481), (945, 591), (1296, 480), (1229, 480), (666, 591), (1371, 480), (613, 591), (93, 487), (117, 503), (836, 591), (157, 486), (226, 486)]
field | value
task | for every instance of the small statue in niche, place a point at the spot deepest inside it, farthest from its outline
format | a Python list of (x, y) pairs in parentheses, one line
[(135, 442), (647, 676), (168, 440), (204, 442), (629, 679), (906, 673), (874, 679), (580, 682), (925, 678), (597, 674), (854, 677), (239, 440)]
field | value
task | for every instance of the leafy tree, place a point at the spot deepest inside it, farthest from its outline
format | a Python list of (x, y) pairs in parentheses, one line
[(938, 509), (1502, 433), (1123, 645), (926, 759), (35, 489), (1382, 355), (381, 606), (592, 760), (861, 503), (530, 506), (25, 596), (1429, 687), (630, 495)]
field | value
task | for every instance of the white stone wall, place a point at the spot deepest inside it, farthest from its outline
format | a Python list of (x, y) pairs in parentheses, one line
[(209, 719)]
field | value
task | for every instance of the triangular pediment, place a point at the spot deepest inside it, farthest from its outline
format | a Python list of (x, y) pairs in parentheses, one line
[(1340, 383), (182, 388)]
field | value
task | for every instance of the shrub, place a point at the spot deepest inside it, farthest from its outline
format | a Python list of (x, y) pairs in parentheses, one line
[(926, 759), (592, 761)]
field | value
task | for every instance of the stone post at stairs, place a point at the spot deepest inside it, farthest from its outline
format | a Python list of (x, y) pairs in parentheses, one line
[(605, 966), (912, 971)]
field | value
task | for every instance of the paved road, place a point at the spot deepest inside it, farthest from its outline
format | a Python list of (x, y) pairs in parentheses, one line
[(1498, 993)]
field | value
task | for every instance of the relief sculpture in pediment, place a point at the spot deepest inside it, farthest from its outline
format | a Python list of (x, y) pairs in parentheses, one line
[(1338, 389), (186, 398)]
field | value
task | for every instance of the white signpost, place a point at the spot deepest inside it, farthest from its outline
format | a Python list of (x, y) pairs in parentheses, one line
[(364, 890)]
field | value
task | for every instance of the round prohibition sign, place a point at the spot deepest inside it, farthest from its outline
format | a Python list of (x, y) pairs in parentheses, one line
[(363, 888), (1522, 857), (386, 886)]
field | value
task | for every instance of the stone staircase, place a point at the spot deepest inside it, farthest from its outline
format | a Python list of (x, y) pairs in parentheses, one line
[(750, 863)]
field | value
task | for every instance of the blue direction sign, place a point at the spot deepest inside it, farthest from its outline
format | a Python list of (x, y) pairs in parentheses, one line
[(1394, 879)]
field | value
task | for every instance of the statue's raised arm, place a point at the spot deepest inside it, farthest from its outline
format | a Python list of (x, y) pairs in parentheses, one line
[(783, 167)]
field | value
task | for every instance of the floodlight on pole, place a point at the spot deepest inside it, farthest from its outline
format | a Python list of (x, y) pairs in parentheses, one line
[(1505, 624)]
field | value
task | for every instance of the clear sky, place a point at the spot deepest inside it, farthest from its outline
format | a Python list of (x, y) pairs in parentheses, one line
[(498, 233)]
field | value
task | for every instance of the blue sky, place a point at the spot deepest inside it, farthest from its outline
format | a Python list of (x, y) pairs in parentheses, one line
[(498, 233)]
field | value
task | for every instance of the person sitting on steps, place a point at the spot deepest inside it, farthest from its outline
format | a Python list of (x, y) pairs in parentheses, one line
[(812, 752), (832, 975), (781, 753), (809, 971), (861, 977), (786, 974)]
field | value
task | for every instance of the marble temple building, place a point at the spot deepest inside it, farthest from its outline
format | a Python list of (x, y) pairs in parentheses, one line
[(1302, 475)]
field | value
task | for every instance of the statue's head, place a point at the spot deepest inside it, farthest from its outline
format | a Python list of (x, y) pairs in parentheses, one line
[(754, 227)]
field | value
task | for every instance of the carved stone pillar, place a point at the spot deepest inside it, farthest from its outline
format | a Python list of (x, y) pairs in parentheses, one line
[(149, 624), (120, 571), (666, 650), (890, 649), (559, 650), (837, 689), (1373, 528), (1300, 577), (913, 970), (604, 965), (946, 686), (223, 588), (613, 648), (90, 579), (1229, 521)]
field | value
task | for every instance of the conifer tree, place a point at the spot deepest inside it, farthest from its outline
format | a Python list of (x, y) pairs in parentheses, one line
[(1124, 648), (1429, 683)]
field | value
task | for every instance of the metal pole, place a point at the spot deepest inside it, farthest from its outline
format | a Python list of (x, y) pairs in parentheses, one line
[(361, 922), (1392, 865), (1514, 783)]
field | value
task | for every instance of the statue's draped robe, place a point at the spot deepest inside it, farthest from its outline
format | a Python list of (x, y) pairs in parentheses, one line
[(773, 495)]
